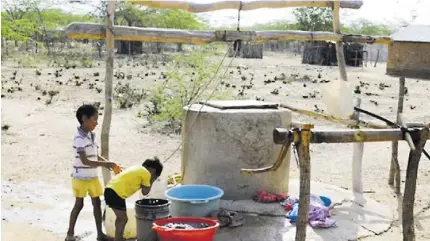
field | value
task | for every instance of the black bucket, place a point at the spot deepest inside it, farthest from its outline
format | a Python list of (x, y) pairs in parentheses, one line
[(147, 211)]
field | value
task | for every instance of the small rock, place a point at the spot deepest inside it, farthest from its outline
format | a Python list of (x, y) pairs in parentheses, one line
[(374, 102), (275, 92)]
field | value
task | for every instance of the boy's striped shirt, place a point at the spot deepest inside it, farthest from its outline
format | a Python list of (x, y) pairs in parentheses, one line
[(86, 142)]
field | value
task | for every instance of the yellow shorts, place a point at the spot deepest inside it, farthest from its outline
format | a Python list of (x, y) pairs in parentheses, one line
[(83, 187)]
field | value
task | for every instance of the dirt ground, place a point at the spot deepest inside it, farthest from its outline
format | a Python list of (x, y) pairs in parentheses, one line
[(36, 149)]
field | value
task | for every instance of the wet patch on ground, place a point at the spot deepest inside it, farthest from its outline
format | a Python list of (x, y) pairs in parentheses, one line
[(45, 206)]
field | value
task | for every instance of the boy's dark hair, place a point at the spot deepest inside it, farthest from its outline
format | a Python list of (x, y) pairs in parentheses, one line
[(85, 110), (154, 164)]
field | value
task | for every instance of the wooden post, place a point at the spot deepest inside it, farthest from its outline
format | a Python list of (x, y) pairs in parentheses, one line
[(339, 44), (410, 186), (395, 166), (107, 116), (377, 57), (357, 159), (305, 182)]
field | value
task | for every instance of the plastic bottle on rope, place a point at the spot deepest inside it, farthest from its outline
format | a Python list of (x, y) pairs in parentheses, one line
[(338, 98)]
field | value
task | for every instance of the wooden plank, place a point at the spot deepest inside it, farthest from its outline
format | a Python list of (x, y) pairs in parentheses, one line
[(107, 116), (410, 186), (79, 30), (347, 136), (296, 124), (339, 44), (246, 6), (395, 166), (417, 125), (305, 182), (357, 159)]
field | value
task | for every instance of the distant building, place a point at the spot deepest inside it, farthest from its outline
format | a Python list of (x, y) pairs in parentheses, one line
[(409, 54), (324, 53)]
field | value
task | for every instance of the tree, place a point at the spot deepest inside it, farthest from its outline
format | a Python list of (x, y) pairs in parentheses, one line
[(273, 25), (314, 19), (28, 20), (16, 29), (366, 27), (132, 15), (129, 15), (16, 25)]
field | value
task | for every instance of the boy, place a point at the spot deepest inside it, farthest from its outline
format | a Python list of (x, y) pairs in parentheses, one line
[(125, 184), (84, 176)]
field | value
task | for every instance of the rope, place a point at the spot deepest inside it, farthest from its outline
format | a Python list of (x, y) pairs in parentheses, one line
[(209, 97), (392, 124)]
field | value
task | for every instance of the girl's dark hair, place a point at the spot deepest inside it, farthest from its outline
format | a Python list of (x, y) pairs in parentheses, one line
[(154, 164), (87, 111)]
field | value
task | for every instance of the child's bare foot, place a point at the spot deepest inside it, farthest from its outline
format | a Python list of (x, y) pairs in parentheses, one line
[(103, 237), (70, 237)]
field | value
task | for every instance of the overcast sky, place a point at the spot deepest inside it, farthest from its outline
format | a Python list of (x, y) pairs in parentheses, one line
[(378, 11)]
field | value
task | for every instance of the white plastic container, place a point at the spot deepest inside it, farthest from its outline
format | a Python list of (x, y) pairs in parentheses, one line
[(130, 228), (338, 98)]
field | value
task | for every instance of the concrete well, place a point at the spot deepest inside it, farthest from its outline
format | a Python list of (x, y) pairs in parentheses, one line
[(221, 137)]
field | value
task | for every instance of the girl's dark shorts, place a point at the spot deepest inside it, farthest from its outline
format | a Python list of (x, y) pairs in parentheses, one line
[(113, 200)]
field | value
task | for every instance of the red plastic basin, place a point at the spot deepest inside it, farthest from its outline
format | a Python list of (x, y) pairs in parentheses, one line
[(201, 234)]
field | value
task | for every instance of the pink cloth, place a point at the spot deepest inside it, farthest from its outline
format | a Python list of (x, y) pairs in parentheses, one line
[(318, 217)]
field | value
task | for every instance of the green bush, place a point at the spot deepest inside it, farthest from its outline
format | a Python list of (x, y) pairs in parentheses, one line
[(27, 61), (189, 79), (127, 96), (72, 59)]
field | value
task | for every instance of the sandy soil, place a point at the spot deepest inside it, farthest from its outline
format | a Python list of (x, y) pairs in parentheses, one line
[(36, 149)]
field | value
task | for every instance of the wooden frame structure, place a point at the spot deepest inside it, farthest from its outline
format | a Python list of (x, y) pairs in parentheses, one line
[(302, 136), (98, 31)]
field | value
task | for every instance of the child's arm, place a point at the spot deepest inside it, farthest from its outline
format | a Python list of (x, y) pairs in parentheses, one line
[(145, 190), (90, 163)]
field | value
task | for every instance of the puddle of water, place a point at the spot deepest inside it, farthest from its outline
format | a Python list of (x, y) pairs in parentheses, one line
[(46, 206)]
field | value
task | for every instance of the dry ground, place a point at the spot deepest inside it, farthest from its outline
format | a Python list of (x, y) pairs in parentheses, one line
[(36, 149)]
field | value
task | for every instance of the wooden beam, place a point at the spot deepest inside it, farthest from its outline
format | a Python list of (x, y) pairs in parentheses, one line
[(296, 124), (417, 125), (357, 159), (246, 6), (80, 30), (346, 136), (107, 116), (410, 186), (305, 181), (395, 166)]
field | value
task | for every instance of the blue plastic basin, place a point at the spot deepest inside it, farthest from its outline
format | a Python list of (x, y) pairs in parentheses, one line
[(194, 200), (194, 193)]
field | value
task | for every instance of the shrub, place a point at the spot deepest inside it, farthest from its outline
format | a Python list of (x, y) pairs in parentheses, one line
[(189, 80), (127, 96)]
